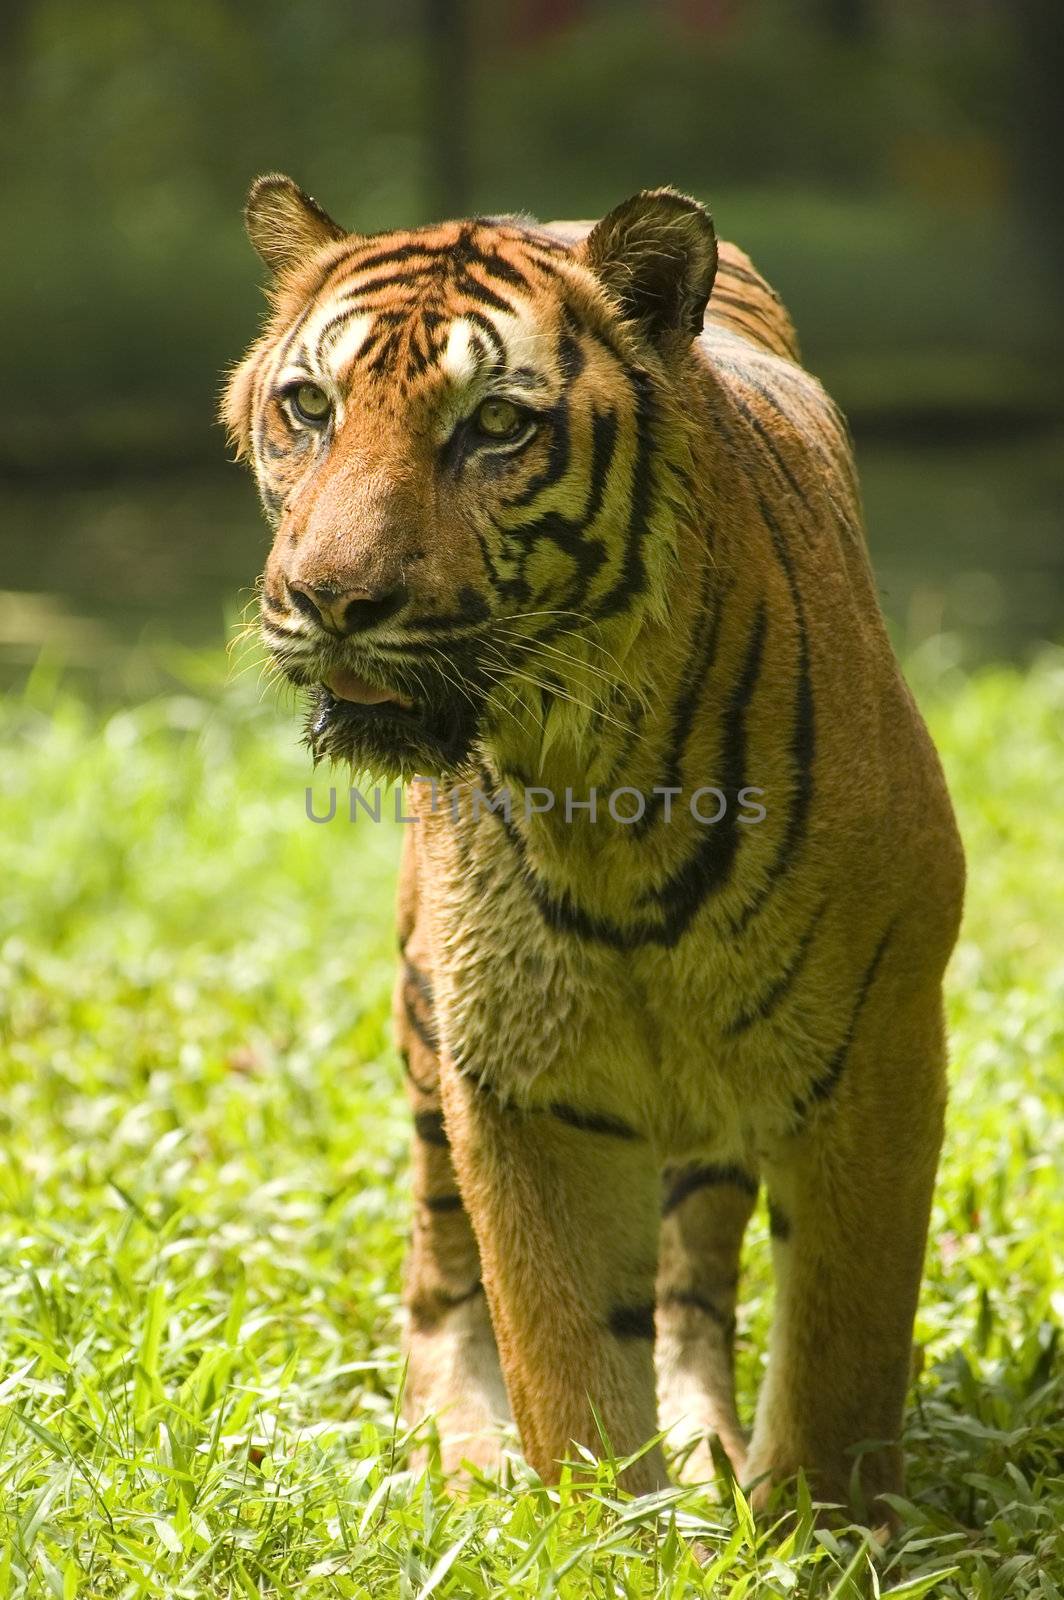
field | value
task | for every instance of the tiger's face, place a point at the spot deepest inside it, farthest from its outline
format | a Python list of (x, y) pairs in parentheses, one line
[(458, 433)]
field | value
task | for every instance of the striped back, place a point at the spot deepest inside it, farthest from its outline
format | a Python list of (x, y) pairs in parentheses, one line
[(745, 303)]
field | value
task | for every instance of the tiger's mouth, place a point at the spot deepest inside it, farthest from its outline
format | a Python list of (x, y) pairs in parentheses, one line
[(393, 733), (343, 684)]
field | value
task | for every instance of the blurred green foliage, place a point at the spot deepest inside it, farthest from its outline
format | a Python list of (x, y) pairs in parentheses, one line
[(203, 1195), (884, 161), (879, 177)]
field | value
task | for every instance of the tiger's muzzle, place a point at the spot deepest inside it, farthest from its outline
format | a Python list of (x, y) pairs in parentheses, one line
[(347, 611), (391, 708)]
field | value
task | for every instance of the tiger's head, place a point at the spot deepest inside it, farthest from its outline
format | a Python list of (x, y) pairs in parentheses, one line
[(471, 442)]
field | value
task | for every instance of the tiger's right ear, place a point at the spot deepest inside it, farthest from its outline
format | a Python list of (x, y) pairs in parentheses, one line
[(284, 224), (656, 255)]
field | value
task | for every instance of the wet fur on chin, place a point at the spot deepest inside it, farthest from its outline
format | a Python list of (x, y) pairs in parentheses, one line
[(388, 743)]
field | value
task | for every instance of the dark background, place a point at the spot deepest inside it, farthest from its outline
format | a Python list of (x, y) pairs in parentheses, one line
[(894, 166)]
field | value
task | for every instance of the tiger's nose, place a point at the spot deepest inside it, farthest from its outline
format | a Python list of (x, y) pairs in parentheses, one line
[(346, 611)]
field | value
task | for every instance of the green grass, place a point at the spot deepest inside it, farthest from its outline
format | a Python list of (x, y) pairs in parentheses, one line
[(202, 1198)]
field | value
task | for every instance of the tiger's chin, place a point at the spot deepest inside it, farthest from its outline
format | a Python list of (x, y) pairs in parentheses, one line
[(391, 741)]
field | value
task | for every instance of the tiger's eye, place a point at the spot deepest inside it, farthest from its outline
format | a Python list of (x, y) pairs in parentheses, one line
[(499, 419), (310, 402)]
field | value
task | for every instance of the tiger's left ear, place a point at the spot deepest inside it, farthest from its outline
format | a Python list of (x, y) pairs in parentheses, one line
[(284, 224), (656, 254)]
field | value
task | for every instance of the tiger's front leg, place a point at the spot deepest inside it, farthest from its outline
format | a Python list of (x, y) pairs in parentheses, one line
[(564, 1203), (453, 1372)]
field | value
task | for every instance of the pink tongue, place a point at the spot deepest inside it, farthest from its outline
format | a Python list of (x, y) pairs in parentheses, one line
[(349, 686)]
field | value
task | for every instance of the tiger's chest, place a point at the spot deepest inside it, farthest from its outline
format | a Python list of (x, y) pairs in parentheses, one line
[(541, 1008)]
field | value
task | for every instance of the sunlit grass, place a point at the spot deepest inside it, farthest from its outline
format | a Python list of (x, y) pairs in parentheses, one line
[(202, 1197)]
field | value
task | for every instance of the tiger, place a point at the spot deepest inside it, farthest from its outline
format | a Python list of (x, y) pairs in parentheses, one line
[(564, 538)]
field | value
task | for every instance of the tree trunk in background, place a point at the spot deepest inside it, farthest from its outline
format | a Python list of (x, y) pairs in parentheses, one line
[(448, 80), (14, 33), (1039, 129)]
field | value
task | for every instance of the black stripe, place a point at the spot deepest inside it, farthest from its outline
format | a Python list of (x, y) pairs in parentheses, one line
[(632, 1322), (731, 269), (422, 1087), (570, 353), (758, 427), (425, 1029), (389, 316), (690, 1301), (762, 1008), (528, 375), (281, 356), (632, 577), (547, 263), (420, 981), (420, 352), (591, 1121), (603, 444), (485, 326), (428, 1125), (281, 637), (387, 351), (747, 308), (825, 1084), (403, 252), (689, 1180), (497, 267), (817, 405), (836, 453), (633, 735), (470, 250), (331, 332), (390, 284), (451, 1300), (570, 535), (471, 609), (556, 466), (425, 1313), (710, 866), (273, 502), (742, 302), (520, 227), (481, 294), (682, 895), (440, 1204), (705, 872), (779, 1224), (684, 707), (803, 737), (821, 408), (431, 647), (268, 451), (480, 1080)]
